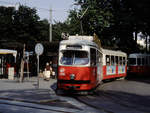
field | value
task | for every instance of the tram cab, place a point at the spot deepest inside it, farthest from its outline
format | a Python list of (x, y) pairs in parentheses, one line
[(79, 64)]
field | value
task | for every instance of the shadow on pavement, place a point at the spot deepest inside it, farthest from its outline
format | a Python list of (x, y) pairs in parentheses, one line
[(138, 78), (114, 99), (37, 96)]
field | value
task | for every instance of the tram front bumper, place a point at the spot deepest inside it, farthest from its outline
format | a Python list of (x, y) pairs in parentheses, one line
[(74, 85)]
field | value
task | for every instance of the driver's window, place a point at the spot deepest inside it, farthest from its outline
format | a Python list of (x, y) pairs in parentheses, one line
[(93, 56)]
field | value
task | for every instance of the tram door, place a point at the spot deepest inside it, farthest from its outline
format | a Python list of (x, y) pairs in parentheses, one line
[(2, 66)]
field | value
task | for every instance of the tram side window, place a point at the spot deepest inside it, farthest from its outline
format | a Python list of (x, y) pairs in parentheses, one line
[(98, 57), (143, 62), (116, 60), (120, 60), (132, 61), (112, 60), (146, 60), (139, 61), (124, 61), (149, 60), (93, 56), (107, 60)]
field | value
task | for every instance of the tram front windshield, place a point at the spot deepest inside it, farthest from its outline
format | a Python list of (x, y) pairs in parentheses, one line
[(74, 57)]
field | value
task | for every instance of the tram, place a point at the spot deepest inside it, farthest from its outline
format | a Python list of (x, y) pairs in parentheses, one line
[(82, 64), (138, 64), (7, 60)]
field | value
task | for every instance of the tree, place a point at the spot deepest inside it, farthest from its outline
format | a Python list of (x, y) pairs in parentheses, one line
[(25, 24), (22, 25), (6, 23), (114, 21)]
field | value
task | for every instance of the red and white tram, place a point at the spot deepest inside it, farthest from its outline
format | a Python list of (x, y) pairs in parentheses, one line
[(82, 65), (138, 64)]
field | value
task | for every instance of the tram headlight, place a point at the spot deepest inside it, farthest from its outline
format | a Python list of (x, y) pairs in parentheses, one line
[(72, 76)]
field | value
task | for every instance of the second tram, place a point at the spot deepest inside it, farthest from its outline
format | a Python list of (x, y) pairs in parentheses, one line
[(138, 64)]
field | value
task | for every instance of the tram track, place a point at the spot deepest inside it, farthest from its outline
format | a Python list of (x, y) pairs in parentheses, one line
[(93, 106), (125, 102), (128, 99), (108, 110)]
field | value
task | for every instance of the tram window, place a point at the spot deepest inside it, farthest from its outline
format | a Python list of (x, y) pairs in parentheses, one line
[(98, 56), (107, 60), (67, 58), (146, 60), (149, 60), (139, 61), (120, 60), (116, 60), (143, 62), (71, 57), (132, 61), (93, 56), (81, 58), (124, 60), (112, 60)]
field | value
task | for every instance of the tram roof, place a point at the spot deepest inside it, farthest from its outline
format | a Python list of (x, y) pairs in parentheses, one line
[(137, 55), (113, 52), (78, 42)]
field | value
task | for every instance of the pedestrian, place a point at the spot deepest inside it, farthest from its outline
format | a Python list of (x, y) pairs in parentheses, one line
[(47, 72)]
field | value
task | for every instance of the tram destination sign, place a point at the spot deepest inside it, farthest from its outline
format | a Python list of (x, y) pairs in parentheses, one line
[(39, 49)]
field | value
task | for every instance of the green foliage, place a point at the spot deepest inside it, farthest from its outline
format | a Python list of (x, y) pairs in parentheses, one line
[(22, 25), (97, 17), (114, 21)]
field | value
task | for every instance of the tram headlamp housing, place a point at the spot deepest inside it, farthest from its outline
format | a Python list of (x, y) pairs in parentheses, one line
[(72, 76)]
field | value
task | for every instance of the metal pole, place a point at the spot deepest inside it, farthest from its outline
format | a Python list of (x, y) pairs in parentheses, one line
[(50, 25), (81, 26), (38, 71)]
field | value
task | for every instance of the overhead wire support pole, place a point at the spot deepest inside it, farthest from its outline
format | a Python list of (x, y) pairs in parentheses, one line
[(50, 25), (81, 17), (50, 22)]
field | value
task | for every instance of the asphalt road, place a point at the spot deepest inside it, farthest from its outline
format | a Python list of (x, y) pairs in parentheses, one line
[(121, 96), (24, 97)]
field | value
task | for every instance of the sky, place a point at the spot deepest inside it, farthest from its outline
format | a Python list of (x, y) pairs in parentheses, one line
[(60, 8)]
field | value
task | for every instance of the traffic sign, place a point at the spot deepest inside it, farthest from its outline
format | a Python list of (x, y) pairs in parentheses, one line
[(39, 49)]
